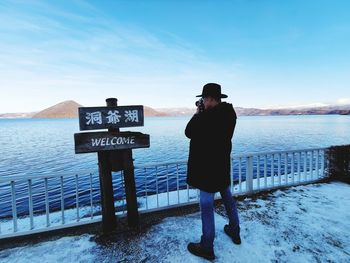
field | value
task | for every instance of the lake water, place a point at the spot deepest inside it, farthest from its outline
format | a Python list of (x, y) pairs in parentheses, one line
[(31, 147), (36, 146)]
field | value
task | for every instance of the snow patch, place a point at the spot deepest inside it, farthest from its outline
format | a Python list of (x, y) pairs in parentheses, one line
[(307, 223), (66, 249)]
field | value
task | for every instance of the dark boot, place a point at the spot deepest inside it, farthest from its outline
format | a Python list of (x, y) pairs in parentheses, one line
[(197, 250), (234, 235)]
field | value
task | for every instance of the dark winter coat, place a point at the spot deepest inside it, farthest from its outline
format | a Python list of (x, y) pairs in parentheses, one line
[(209, 161)]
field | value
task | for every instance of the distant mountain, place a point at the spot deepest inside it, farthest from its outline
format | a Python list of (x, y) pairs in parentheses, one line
[(17, 115), (344, 110), (177, 111), (66, 109), (69, 109), (150, 112)]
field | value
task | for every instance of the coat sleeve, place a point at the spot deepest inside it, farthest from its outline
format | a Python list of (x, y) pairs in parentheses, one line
[(200, 125), (193, 127), (211, 124)]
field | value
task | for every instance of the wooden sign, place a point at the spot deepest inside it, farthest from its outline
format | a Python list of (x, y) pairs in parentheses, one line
[(87, 142), (95, 118)]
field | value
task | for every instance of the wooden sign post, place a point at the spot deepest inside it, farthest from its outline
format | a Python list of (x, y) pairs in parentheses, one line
[(114, 150)]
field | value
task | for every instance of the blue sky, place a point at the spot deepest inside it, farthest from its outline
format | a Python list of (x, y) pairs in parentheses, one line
[(264, 53)]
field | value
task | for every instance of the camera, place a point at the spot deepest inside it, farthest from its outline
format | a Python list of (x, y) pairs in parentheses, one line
[(200, 105)]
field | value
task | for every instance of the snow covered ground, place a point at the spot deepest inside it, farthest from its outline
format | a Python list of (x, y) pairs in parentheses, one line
[(307, 223)]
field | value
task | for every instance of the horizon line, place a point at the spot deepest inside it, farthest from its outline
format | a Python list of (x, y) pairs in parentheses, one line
[(277, 107)]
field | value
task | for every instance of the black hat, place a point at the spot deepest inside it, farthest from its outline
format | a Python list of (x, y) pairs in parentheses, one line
[(213, 90)]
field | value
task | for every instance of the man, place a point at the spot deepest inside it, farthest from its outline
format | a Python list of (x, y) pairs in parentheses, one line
[(209, 165)]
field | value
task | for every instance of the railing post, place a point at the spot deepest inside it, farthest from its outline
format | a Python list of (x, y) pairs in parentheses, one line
[(258, 170), (279, 169), (240, 174), (30, 201), (14, 206), (249, 174), (317, 162), (323, 160)]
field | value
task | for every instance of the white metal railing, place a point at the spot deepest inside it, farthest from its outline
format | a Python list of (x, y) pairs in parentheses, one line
[(250, 173), (38, 194), (50, 202)]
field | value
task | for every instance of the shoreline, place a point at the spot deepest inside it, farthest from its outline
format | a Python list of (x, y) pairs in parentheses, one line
[(173, 116)]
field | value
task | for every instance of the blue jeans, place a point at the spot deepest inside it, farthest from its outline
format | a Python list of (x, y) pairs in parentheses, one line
[(207, 214)]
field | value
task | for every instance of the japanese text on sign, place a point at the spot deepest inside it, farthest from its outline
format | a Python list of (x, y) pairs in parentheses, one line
[(112, 117), (106, 117)]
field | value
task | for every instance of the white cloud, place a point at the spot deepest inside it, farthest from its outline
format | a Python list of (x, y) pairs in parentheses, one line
[(53, 60), (51, 52), (343, 101)]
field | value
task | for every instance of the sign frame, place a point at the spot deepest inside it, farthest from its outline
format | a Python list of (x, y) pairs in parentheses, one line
[(96, 118), (89, 142)]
